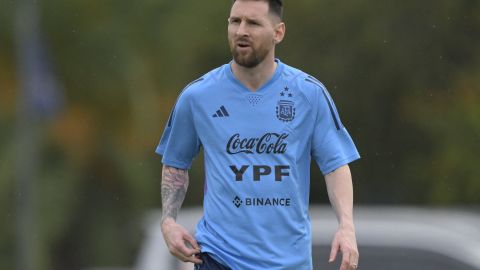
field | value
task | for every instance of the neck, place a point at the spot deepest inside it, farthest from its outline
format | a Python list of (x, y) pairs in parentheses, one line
[(254, 78)]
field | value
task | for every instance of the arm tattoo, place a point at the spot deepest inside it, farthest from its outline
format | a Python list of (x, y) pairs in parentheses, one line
[(174, 188)]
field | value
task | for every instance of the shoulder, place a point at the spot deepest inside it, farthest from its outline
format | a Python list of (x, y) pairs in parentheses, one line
[(198, 86), (307, 85)]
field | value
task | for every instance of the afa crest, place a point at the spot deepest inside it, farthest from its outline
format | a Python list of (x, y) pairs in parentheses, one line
[(285, 110)]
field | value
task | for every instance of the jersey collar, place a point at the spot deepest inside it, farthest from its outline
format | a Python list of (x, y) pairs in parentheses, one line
[(264, 87)]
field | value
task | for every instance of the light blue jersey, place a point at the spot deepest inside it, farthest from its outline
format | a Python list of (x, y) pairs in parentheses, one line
[(258, 148)]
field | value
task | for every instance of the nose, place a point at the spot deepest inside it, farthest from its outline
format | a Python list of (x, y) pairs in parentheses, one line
[(242, 29)]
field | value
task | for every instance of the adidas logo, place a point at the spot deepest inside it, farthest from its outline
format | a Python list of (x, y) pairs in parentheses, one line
[(222, 112)]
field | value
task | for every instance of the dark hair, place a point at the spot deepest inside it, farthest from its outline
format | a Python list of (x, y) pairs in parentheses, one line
[(274, 6)]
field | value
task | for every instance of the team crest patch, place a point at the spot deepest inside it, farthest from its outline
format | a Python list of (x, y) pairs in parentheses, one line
[(285, 110)]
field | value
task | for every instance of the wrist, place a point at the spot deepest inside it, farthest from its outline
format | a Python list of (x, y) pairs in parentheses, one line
[(166, 222), (347, 225)]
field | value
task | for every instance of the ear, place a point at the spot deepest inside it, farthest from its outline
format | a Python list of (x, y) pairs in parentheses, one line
[(279, 33)]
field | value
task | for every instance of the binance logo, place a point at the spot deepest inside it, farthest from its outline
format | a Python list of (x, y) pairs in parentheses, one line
[(237, 201), (262, 202)]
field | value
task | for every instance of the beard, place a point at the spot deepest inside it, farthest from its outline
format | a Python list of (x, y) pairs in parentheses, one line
[(250, 59)]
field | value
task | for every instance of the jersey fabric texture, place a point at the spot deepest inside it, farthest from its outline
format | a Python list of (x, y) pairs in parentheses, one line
[(257, 148)]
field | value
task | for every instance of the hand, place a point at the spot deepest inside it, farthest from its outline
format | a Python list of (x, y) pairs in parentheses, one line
[(346, 242), (180, 242)]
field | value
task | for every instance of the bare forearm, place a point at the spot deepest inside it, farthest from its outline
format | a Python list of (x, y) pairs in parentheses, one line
[(340, 192), (174, 188)]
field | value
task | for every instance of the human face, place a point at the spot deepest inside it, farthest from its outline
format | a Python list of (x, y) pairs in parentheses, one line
[(253, 32)]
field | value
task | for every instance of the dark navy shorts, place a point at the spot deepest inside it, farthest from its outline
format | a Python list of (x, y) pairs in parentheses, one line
[(209, 263)]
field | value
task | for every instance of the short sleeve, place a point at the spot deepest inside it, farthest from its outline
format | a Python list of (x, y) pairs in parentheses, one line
[(179, 143), (332, 146)]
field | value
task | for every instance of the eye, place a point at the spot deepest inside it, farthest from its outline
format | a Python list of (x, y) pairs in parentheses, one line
[(234, 20), (254, 23)]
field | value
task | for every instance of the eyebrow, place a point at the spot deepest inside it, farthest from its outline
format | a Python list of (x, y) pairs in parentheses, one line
[(247, 19)]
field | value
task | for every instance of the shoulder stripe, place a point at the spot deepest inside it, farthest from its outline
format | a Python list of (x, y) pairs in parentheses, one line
[(337, 125), (314, 79), (329, 102), (173, 109), (197, 80)]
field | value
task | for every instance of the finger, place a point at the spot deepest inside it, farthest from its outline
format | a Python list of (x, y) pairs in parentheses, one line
[(184, 254), (186, 251), (180, 249), (345, 261), (192, 259), (189, 238), (192, 250), (333, 252), (354, 260)]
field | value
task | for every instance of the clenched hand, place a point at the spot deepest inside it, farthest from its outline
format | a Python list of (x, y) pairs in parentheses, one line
[(180, 242)]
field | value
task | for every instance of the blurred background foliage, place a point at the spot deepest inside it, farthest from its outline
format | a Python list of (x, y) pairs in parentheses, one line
[(405, 76)]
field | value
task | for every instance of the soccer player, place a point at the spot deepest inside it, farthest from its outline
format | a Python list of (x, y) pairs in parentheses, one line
[(259, 122)]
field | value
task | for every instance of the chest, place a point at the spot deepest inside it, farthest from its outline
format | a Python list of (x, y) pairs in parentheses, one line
[(252, 122)]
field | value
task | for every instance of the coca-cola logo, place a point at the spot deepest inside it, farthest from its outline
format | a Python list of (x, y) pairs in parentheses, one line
[(269, 143)]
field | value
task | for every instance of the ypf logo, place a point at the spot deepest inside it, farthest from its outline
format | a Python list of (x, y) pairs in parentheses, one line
[(237, 201)]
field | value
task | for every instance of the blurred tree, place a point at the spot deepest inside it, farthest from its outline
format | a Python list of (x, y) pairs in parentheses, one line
[(451, 117), (374, 57)]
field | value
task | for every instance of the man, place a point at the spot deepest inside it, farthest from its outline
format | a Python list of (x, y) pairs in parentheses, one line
[(259, 122)]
